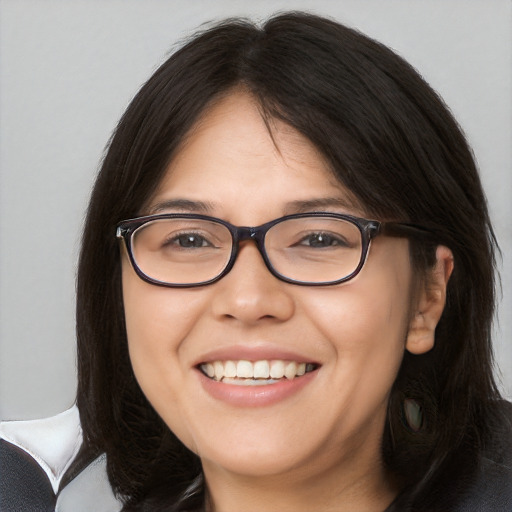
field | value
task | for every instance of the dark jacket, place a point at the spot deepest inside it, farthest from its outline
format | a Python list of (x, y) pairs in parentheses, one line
[(470, 482)]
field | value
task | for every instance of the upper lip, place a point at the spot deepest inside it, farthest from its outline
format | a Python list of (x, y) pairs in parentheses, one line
[(253, 353)]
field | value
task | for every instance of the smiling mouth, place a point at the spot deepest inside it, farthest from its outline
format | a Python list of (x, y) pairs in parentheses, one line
[(255, 373)]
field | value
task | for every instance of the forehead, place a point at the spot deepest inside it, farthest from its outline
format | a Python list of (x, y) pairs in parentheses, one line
[(236, 156)]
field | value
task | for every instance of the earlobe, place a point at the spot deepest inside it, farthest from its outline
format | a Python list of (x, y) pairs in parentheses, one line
[(430, 304)]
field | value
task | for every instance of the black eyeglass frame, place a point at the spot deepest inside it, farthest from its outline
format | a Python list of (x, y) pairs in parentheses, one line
[(369, 229)]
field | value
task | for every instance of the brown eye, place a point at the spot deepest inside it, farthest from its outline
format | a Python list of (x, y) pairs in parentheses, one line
[(321, 240), (190, 241)]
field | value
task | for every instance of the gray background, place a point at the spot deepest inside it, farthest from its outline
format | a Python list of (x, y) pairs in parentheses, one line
[(69, 68)]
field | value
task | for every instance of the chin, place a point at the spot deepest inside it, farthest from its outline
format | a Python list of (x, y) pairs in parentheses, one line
[(258, 449), (253, 463)]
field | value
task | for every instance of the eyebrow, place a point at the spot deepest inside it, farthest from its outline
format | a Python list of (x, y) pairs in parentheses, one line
[(324, 203), (183, 205)]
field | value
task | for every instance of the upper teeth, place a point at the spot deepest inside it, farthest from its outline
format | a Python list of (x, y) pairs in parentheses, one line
[(275, 369)]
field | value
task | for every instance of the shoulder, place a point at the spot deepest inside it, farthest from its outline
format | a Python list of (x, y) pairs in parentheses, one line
[(472, 481), (484, 484), (38, 464), (493, 479)]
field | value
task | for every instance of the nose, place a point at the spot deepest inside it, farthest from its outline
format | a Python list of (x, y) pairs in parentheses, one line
[(249, 293)]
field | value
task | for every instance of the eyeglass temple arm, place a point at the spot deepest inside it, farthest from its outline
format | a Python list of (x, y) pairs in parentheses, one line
[(401, 229)]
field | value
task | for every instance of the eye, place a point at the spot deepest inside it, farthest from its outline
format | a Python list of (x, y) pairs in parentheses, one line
[(188, 241), (322, 240)]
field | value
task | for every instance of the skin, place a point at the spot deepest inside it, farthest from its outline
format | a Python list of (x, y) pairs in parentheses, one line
[(318, 449)]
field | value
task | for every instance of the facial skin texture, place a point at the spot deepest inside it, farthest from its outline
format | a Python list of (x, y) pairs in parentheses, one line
[(318, 449)]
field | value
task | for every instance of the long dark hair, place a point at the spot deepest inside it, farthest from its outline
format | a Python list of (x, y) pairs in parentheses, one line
[(391, 141)]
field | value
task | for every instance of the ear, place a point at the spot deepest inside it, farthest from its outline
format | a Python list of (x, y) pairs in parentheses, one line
[(431, 300)]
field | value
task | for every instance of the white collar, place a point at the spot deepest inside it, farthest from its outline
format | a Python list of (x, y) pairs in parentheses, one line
[(53, 442)]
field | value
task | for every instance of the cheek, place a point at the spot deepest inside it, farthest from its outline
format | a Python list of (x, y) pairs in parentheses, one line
[(155, 313), (157, 320), (366, 322), (359, 320)]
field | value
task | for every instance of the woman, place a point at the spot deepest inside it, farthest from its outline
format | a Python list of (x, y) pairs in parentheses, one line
[(290, 366)]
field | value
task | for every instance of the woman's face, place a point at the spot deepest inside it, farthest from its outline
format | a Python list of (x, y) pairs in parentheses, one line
[(230, 167)]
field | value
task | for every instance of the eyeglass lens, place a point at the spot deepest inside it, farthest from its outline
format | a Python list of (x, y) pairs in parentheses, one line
[(191, 251)]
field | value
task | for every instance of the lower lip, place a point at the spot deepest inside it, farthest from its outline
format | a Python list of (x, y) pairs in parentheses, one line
[(255, 396)]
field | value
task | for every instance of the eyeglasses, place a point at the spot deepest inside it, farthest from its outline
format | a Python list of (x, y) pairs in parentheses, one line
[(313, 249)]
